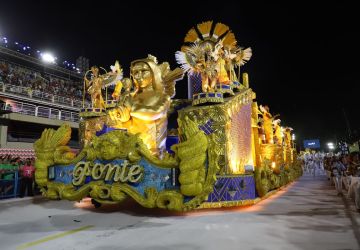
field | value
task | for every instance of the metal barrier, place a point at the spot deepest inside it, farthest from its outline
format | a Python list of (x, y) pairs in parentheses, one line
[(9, 188), (40, 111)]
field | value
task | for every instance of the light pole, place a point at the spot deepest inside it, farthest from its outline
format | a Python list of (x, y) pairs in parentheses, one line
[(293, 140)]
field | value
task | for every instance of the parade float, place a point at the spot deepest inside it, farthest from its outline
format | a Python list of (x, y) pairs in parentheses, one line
[(217, 149)]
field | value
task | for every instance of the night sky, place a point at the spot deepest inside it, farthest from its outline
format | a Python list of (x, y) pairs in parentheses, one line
[(305, 56)]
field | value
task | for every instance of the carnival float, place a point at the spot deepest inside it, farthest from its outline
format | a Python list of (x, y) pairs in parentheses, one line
[(217, 149)]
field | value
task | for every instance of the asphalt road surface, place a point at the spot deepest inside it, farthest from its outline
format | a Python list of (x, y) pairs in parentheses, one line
[(305, 215)]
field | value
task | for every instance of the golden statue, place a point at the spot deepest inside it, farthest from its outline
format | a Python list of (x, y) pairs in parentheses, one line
[(267, 122), (125, 84), (145, 110), (98, 82), (278, 138), (94, 87), (287, 135)]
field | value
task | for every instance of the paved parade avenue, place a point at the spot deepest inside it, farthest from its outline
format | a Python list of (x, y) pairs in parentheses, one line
[(307, 214)]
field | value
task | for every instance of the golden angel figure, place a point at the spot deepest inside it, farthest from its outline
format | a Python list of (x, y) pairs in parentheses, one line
[(94, 87), (98, 82)]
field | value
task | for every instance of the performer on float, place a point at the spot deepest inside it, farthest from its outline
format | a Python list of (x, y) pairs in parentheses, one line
[(213, 57), (288, 150), (235, 57), (217, 55), (267, 122), (288, 137), (261, 132), (278, 138)]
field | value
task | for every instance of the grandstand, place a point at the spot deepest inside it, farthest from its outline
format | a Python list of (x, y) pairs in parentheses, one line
[(35, 95)]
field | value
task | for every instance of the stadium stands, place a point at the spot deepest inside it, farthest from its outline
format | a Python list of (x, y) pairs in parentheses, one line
[(34, 95), (23, 81)]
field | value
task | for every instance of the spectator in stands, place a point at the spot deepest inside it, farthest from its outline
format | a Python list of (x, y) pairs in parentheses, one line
[(27, 173), (29, 91)]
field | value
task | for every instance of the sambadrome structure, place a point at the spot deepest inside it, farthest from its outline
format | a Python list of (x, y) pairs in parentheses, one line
[(225, 151)]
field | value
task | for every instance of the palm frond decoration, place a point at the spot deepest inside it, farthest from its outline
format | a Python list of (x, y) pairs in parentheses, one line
[(190, 58), (170, 79), (185, 60), (219, 30), (195, 50), (229, 40), (191, 36), (184, 48), (205, 28), (243, 56)]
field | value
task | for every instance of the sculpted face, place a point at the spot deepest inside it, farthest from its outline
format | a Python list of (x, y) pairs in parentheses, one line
[(107, 150), (142, 74)]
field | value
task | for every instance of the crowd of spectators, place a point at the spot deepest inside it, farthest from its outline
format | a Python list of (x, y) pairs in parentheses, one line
[(9, 167), (34, 81), (342, 170)]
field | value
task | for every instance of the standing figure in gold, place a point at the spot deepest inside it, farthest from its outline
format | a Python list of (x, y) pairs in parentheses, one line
[(288, 137), (218, 56), (278, 138), (125, 84), (214, 45), (197, 59), (94, 87), (145, 111), (267, 121), (97, 82)]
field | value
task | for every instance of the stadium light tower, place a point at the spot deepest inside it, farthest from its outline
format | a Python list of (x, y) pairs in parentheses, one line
[(48, 58), (331, 146)]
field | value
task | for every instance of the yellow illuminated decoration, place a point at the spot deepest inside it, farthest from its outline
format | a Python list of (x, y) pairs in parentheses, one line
[(222, 140), (212, 51), (267, 123), (288, 137), (288, 150), (231, 151), (97, 82), (125, 84), (190, 158), (145, 110), (278, 138)]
